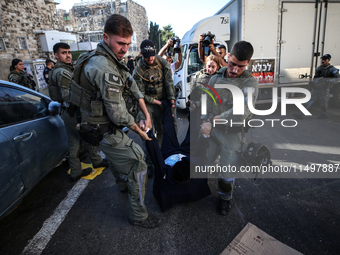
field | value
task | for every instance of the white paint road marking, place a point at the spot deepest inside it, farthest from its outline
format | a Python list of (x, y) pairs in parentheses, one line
[(50, 226)]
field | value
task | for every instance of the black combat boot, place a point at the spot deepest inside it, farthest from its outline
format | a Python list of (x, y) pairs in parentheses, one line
[(85, 172), (151, 222), (224, 206), (102, 164)]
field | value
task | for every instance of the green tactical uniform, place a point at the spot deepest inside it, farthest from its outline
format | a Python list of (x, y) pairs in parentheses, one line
[(230, 140), (21, 78), (155, 82), (60, 78), (195, 95), (107, 77)]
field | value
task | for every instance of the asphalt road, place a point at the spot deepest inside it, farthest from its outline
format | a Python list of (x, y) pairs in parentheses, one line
[(302, 213)]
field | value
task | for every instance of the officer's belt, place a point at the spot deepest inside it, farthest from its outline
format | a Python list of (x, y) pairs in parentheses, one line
[(105, 128)]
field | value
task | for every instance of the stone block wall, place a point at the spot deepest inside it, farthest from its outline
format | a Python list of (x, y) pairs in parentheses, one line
[(94, 14), (139, 21), (20, 19)]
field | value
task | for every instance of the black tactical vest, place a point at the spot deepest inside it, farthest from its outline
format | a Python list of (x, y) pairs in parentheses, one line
[(152, 77), (87, 97)]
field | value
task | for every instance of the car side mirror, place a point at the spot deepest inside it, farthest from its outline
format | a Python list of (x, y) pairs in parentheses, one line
[(54, 108)]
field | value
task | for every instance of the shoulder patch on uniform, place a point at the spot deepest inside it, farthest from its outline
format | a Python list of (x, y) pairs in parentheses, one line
[(67, 74), (113, 77)]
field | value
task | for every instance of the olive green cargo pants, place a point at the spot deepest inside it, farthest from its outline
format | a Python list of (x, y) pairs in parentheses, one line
[(74, 145), (229, 146), (125, 159)]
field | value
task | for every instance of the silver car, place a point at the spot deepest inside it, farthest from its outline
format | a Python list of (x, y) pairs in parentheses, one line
[(33, 141)]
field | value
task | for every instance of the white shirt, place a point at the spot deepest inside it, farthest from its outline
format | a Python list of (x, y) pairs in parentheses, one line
[(173, 69)]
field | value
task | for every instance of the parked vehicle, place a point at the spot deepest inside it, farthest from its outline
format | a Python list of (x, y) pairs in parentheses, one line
[(191, 64), (33, 141), (288, 37)]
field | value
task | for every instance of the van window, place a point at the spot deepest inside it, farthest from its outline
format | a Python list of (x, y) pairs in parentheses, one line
[(194, 63), (184, 52)]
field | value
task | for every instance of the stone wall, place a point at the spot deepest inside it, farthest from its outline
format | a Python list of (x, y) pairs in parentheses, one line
[(91, 16), (20, 19), (139, 20)]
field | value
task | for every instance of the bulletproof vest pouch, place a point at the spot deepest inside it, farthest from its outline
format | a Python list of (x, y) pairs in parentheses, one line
[(85, 96), (53, 89), (153, 79)]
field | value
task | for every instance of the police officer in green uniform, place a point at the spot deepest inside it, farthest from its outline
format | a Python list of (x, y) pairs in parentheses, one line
[(154, 79), (321, 85), (212, 65), (19, 75), (98, 86), (59, 88), (229, 139)]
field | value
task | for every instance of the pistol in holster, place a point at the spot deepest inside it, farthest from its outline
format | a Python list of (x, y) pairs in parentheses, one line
[(93, 134)]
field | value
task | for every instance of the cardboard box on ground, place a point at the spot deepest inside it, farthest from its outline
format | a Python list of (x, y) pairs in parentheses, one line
[(252, 240)]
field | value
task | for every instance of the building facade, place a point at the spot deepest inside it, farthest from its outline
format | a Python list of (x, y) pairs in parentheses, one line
[(23, 23), (88, 20), (19, 21)]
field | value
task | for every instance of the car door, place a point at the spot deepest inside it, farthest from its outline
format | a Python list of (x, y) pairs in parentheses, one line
[(11, 184), (38, 140)]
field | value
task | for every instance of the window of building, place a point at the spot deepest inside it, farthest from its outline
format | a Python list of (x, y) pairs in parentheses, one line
[(84, 25), (67, 17), (123, 8), (100, 24), (2, 45), (134, 38), (22, 43), (86, 13), (133, 47), (102, 12)]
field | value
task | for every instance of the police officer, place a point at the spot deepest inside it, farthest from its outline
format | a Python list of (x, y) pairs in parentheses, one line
[(320, 86), (19, 75), (130, 64), (104, 76), (154, 79), (229, 139), (59, 88), (212, 65), (49, 64)]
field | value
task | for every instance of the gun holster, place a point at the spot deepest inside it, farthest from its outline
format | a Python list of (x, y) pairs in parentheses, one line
[(93, 135)]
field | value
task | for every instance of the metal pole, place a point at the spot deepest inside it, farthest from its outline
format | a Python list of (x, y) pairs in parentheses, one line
[(159, 41)]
